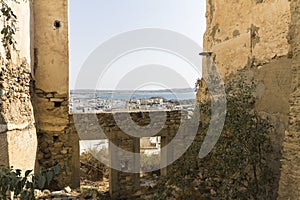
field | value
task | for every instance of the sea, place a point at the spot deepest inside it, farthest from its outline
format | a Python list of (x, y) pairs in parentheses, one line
[(176, 94), (166, 95)]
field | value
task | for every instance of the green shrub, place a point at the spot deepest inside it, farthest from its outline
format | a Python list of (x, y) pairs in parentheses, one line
[(12, 181), (237, 167)]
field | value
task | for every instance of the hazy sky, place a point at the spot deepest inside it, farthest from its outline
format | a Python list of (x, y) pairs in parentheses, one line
[(93, 22)]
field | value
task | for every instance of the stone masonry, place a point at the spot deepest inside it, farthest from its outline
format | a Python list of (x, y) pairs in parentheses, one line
[(104, 126), (261, 38), (56, 143), (289, 186), (18, 141), (36, 129)]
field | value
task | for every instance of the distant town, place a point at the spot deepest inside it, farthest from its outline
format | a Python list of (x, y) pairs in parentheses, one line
[(86, 101)]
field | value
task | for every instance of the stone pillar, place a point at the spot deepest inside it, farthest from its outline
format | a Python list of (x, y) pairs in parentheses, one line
[(168, 149), (58, 144), (122, 183), (165, 154)]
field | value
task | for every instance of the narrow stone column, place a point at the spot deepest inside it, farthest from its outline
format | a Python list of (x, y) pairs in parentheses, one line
[(165, 154), (122, 183), (58, 145)]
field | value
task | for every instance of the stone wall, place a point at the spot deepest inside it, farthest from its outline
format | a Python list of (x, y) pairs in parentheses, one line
[(124, 183), (289, 186), (253, 36), (259, 36), (255, 31), (17, 130)]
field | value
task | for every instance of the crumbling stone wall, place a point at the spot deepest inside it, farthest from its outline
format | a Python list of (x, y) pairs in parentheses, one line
[(253, 32), (18, 141), (259, 36), (290, 172), (17, 124), (255, 36), (122, 183)]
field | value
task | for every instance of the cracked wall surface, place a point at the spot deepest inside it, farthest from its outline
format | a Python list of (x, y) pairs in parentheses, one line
[(256, 36), (253, 30), (259, 36), (18, 141), (289, 186)]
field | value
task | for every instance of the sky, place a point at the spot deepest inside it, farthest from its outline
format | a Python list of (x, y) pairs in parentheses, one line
[(97, 22)]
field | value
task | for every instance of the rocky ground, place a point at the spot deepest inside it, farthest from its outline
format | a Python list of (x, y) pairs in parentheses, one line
[(93, 189), (96, 190), (87, 190), (94, 183)]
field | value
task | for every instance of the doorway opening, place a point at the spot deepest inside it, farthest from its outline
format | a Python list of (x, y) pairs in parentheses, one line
[(93, 173), (150, 159)]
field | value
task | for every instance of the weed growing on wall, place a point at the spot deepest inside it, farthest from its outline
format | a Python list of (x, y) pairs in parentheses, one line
[(237, 167), (9, 29)]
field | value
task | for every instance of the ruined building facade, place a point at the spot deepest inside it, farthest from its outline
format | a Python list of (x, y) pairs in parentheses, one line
[(36, 130), (261, 37)]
